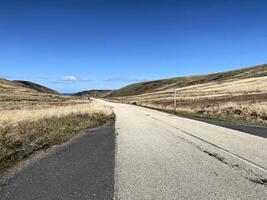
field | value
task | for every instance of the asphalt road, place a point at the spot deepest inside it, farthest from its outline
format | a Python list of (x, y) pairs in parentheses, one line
[(154, 155)]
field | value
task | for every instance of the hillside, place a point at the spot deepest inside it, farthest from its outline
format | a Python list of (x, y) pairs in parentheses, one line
[(36, 87), (22, 94), (20, 85), (239, 95), (94, 93), (179, 82)]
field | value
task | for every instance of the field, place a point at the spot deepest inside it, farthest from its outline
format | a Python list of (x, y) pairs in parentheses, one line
[(238, 96), (31, 120)]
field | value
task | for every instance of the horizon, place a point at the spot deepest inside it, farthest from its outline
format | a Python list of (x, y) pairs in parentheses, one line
[(72, 46), (190, 75)]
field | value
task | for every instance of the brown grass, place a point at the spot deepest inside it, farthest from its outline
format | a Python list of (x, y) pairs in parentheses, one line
[(13, 117), (24, 131)]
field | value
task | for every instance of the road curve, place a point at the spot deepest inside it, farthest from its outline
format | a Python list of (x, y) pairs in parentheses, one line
[(162, 156)]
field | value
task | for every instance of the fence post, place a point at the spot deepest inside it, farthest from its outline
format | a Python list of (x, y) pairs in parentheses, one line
[(174, 100)]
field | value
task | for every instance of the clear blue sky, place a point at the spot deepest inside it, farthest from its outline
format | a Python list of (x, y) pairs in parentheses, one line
[(72, 45)]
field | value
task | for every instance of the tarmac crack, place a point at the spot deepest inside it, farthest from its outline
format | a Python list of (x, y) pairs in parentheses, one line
[(246, 173), (261, 181)]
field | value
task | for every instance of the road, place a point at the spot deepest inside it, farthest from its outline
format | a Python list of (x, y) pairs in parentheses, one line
[(154, 155), (162, 156)]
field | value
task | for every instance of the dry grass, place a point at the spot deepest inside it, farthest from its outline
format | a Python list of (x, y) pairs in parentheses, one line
[(23, 131), (246, 113), (243, 100), (13, 117)]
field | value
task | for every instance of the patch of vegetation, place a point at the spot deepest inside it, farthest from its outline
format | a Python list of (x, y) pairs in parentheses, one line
[(231, 115)]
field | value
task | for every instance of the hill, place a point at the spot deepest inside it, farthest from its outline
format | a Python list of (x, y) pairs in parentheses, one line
[(238, 95), (94, 93), (22, 94), (20, 85), (36, 87), (179, 82)]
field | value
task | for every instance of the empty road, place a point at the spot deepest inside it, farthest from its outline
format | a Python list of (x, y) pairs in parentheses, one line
[(162, 156), (149, 155)]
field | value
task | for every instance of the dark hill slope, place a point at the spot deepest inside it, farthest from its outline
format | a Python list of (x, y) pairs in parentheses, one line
[(93, 93), (35, 86)]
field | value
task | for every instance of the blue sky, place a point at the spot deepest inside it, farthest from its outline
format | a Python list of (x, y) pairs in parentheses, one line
[(73, 45)]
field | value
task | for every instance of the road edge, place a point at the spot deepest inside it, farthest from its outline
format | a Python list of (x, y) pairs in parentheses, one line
[(9, 174)]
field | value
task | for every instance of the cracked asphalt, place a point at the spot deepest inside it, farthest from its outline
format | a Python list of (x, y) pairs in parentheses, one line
[(149, 155)]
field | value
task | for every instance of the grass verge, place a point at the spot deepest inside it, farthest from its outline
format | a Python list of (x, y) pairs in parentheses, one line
[(230, 118), (21, 139)]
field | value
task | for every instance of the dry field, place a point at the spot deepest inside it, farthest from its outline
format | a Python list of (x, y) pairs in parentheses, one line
[(24, 131), (239, 100), (31, 120)]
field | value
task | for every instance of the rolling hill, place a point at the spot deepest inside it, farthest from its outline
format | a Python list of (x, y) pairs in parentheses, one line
[(179, 82), (36, 87), (24, 85), (24, 93), (93, 93)]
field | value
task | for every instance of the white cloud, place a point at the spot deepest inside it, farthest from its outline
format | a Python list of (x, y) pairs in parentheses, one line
[(69, 78)]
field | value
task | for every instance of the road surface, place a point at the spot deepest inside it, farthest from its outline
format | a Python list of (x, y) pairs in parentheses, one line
[(154, 155), (162, 156)]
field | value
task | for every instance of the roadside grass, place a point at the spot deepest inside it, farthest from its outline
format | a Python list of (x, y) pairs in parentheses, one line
[(241, 113), (23, 132)]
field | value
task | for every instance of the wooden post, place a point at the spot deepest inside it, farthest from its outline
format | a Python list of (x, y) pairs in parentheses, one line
[(174, 99)]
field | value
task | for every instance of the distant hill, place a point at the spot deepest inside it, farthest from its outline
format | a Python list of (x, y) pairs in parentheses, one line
[(22, 94), (15, 86), (35, 86), (94, 93), (179, 82)]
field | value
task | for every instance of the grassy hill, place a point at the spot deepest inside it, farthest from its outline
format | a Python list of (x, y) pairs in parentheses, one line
[(22, 94), (238, 95), (93, 93), (19, 84), (158, 85), (36, 87)]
